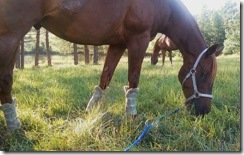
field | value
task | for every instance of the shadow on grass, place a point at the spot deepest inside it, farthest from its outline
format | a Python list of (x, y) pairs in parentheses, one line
[(15, 141)]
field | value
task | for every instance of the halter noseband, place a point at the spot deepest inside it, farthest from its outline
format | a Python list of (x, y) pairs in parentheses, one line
[(192, 73)]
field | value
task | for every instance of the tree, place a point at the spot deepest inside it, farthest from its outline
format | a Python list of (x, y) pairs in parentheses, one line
[(95, 56), (231, 15), (17, 62), (22, 56), (211, 25), (217, 28), (37, 50), (87, 59), (49, 60), (75, 54), (204, 24)]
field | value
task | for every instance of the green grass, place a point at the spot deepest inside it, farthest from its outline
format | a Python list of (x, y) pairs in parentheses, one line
[(52, 101)]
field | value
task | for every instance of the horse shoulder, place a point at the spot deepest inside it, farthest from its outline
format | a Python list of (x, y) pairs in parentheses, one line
[(138, 18)]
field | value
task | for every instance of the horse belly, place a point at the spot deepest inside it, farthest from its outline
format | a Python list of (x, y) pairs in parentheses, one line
[(84, 24)]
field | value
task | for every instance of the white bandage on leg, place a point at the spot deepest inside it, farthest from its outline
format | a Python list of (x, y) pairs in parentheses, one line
[(130, 96), (10, 115), (97, 95)]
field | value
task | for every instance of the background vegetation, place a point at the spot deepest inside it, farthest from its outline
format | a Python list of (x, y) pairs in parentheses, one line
[(52, 107)]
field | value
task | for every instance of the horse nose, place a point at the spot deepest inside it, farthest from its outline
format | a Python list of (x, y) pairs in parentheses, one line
[(152, 62), (202, 111), (198, 109)]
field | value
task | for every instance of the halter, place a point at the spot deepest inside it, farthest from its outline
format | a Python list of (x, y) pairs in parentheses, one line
[(192, 73)]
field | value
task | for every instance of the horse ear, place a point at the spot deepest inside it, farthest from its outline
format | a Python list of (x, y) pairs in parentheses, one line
[(215, 49)]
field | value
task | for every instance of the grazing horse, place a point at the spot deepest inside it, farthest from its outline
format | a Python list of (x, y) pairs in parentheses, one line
[(164, 44), (123, 24)]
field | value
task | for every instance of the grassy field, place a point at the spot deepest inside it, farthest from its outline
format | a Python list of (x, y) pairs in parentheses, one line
[(52, 101)]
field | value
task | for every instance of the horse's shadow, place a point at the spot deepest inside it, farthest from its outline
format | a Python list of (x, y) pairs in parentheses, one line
[(75, 85), (15, 141)]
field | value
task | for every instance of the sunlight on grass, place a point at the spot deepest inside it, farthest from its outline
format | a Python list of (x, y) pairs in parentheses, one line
[(51, 105), (83, 126)]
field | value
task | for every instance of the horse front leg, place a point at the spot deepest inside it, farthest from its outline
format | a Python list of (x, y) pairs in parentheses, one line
[(170, 57), (8, 104), (136, 52), (163, 56), (113, 56)]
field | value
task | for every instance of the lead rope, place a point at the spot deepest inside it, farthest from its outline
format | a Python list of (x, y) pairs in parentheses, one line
[(149, 126), (196, 94)]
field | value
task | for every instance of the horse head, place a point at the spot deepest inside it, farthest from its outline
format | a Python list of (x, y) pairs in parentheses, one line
[(154, 59), (155, 53), (197, 80)]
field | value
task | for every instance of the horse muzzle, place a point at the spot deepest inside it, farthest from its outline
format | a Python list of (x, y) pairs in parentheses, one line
[(199, 106)]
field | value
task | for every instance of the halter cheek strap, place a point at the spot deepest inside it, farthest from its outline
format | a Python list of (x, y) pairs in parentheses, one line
[(192, 74)]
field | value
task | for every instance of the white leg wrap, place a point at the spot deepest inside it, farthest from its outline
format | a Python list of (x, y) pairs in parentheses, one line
[(10, 115), (130, 96), (97, 95)]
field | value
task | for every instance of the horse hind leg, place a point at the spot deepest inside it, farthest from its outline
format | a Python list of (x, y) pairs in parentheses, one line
[(113, 56), (7, 52)]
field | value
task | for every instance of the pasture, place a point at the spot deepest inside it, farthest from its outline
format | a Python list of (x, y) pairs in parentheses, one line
[(51, 104)]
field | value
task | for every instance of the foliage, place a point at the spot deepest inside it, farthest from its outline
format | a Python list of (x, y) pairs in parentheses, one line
[(222, 26), (51, 106), (211, 25), (231, 12)]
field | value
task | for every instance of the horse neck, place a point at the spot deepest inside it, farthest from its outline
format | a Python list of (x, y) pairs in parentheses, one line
[(185, 32), (156, 48), (190, 42)]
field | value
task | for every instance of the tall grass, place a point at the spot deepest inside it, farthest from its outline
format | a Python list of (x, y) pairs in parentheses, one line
[(52, 101)]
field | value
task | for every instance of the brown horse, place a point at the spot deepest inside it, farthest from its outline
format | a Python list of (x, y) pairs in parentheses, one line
[(121, 24), (163, 44)]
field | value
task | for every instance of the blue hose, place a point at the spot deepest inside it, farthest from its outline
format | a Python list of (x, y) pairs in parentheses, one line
[(147, 128), (140, 137)]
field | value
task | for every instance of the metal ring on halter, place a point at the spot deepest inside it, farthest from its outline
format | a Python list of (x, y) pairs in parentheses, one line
[(197, 94), (193, 71)]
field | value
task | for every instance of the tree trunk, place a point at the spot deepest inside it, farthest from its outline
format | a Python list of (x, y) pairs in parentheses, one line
[(22, 56), (49, 60), (37, 48), (75, 54), (86, 54), (17, 62), (95, 56)]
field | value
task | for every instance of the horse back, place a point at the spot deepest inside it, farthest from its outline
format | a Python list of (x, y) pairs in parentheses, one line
[(98, 21), (165, 43), (94, 22)]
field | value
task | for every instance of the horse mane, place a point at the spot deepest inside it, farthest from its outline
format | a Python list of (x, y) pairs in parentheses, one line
[(190, 18), (179, 13)]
